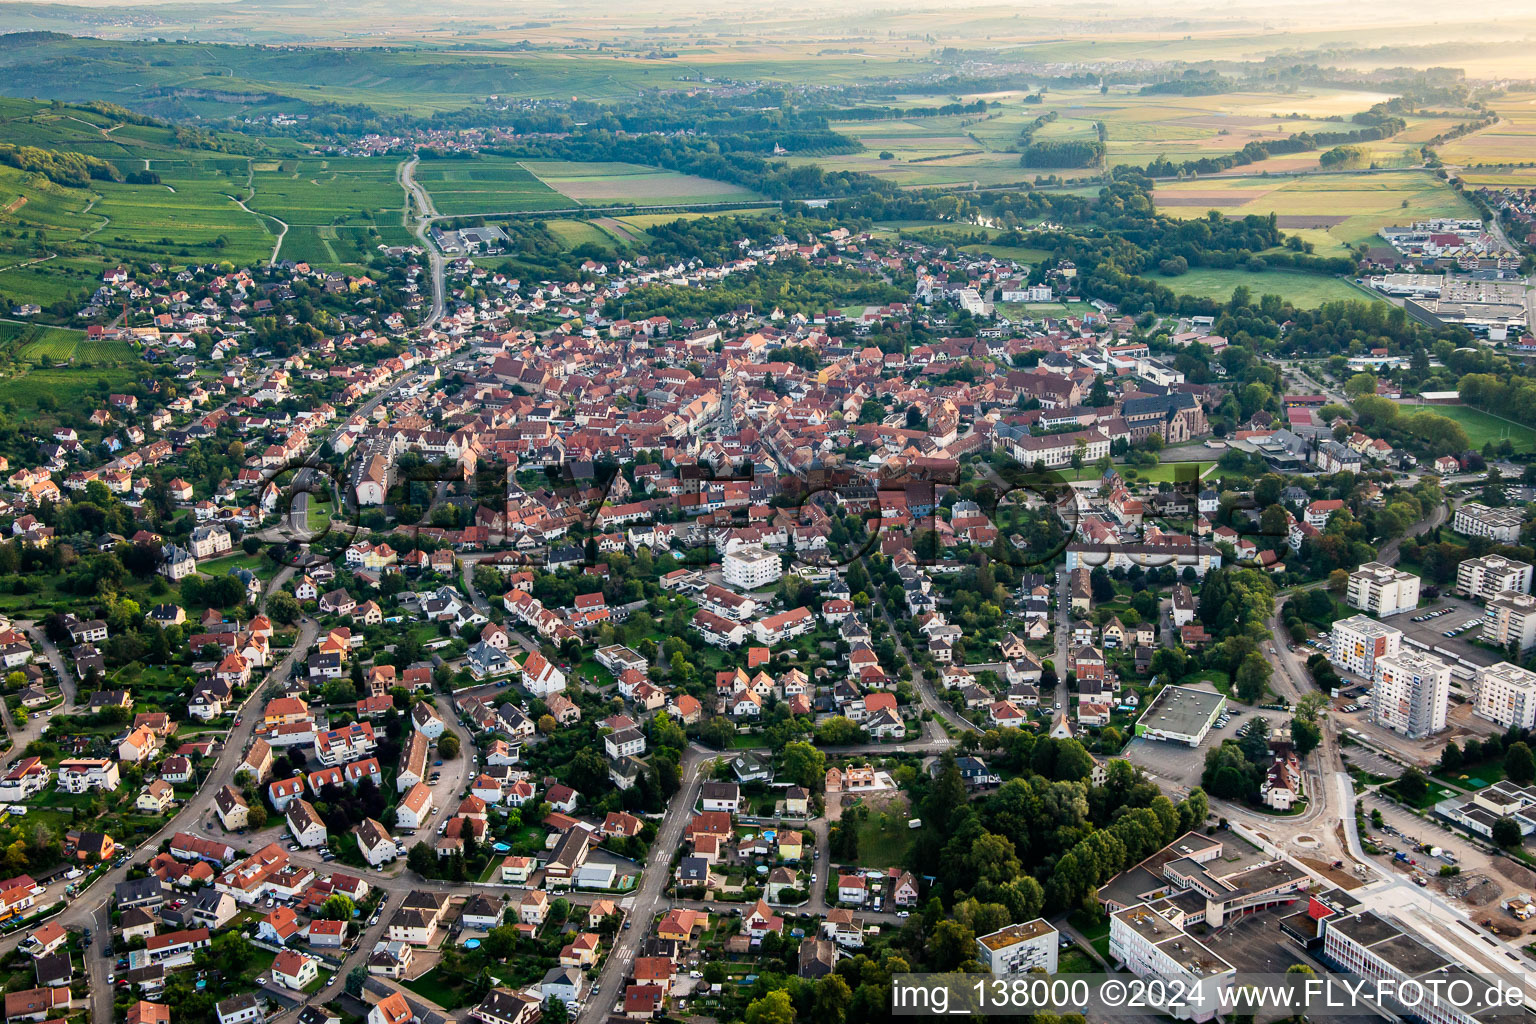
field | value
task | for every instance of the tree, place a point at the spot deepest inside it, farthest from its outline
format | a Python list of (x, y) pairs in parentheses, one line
[(337, 907), (554, 1011), (1506, 832), (1253, 741), (1412, 786), (1338, 581), (1252, 677), (773, 1008), (1519, 765), (1305, 736), (448, 746), (804, 765), (421, 859), (1450, 757)]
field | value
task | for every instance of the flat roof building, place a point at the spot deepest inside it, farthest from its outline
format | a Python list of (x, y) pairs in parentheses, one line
[(1478, 520), (1382, 590), (1505, 693), (1181, 714), (1020, 948), (1509, 620), (1358, 641), (1412, 692), (1486, 577)]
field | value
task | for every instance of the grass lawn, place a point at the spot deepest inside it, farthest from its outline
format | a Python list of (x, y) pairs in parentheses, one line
[(430, 987), (1432, 796), (1215, 676), (1304, 291), (883, 843), (1075, 961), (1164, 472), (1482, 427), (239, 560)]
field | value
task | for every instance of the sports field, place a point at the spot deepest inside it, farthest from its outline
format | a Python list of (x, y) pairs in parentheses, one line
[(1304, 291), (1482, 427), (1332, 211)]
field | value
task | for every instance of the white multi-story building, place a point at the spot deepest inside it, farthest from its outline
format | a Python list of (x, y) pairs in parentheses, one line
[(82, 774), (1020, 948), (751, 567), (1510, 619), (1500, 524), (1382, 590), (1487, 577), (1152, 946), (1411, 694), (1379, 950), (1358, 641), (1506, 694)]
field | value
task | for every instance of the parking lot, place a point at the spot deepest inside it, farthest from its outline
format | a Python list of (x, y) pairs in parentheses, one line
[(1429, 634)]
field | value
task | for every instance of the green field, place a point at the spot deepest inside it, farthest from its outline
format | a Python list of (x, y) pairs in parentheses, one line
[(1304, 291), (1332, 211), (603, 183), (491, 184), (1482, 427)]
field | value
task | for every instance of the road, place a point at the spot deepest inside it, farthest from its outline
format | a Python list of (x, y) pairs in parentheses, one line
[(423, 216), (925, 691)]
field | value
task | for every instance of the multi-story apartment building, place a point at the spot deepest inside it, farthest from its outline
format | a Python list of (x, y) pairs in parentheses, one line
[(1358, 641), (751, 567), (1020, 948), (1412, 692), (1478, 520), (1382, 590), (1487, 577), (1510, 620), (1506, 694)]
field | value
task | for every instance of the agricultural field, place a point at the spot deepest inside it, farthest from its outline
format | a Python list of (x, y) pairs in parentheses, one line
[(338, 210), (1511, 140), (491, 184), (983, 149), (598, 184), (1332, 211), (1305, 291)]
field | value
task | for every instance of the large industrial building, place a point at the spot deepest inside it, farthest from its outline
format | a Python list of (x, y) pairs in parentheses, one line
[(1180, 714)]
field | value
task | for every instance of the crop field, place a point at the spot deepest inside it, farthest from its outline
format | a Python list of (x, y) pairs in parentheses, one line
[(983, 149), (489, 185), (596, 184), (1305, 291), (1511, 140), (1482, 427), (1336, 209), (338, 210)]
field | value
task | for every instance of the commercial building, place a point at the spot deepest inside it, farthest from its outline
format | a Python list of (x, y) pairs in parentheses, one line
[(1487, 577), (1505, 693), (1382, 590), (1151, 945), (1358, 641), (1500, 524), (1180, 714), (1411, 694), (1503, 799), (1510, 620), (751, 567), (1020, 948)]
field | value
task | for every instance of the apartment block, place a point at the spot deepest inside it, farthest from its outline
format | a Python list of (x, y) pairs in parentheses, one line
[(1412, 692), (1020, 948), (1478, 520), (751, 567), (1506, 694), (1359, 640), (1382, 590), (1487, 577), (1510, 619)]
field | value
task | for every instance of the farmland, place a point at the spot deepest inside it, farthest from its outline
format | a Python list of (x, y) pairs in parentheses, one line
[(488, 185), (1332, 211), (596, 184)]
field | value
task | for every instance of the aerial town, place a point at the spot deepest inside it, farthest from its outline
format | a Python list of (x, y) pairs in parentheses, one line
[(579, 559)]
